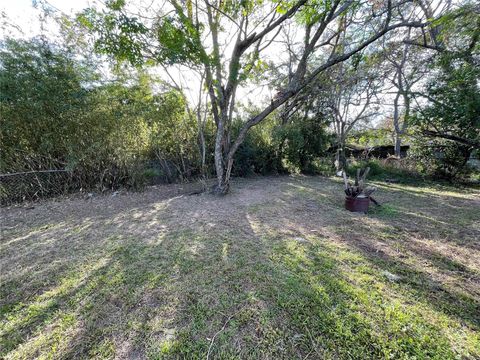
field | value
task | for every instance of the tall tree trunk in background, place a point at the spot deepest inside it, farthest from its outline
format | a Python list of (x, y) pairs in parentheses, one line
[(396, 125), (340, 159), (202, 146), (400, 128), (398, 145), (404, 79), (400, 119), (201, 122), (340, 156)]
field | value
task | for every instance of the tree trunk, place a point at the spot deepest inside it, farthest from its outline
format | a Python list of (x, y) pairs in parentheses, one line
[(222, 185), (223, 174), (224, 148), (340, 158), (396, 122), (203, 153), (398, 145)]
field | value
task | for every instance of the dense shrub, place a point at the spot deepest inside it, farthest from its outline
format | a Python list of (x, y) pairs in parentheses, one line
[(301, 143), (43, 105), (295, 147), (375, 167), (56, 115), (256, 156), (441, 159), (448, 128), (403, 170)]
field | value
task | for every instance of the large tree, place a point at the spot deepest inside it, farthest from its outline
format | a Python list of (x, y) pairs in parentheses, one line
[(197, 33), (453, 96)]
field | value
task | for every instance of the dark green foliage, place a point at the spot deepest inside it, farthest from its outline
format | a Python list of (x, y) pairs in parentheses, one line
[(293, 147), (375, 168), (42, 100), (55, 115), (397, 170), (301, 142), (451, 119), (258, 153), (441, 158), (371, 137)]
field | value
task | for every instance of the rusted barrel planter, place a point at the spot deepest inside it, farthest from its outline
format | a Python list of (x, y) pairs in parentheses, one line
[(358, 204)]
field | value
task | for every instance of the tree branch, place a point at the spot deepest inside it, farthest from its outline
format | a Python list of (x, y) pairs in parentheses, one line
[(458, 139)]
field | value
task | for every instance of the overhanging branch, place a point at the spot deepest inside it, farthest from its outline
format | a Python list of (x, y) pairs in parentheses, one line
[(461, 140)]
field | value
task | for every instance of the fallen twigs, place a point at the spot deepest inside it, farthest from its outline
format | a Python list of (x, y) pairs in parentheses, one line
[(222, 329)]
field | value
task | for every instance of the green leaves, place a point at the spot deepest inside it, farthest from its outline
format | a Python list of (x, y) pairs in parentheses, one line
[(41, 90), (54, 112), (254, 68), (118, 34), (451, 117), (314, 12), (115, 4), (178, 42), (172, 40)]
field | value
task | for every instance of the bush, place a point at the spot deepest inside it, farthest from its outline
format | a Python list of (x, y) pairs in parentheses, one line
[(321, 166), (257, 154), (296, 147), (301, 143), (399, 169), (376, 168), (442, 159), (55, 116)]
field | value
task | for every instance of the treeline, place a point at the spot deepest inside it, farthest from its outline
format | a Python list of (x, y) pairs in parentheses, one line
[(58, 112), (112, 122)]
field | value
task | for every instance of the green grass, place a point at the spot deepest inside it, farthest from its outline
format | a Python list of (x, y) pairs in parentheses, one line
[(277, 269), (384, 211)]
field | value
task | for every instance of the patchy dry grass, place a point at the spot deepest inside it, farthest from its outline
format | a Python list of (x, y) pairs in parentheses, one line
[(277, 269)]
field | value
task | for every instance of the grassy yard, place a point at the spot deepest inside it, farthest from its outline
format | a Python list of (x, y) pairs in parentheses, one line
[(275, 270)]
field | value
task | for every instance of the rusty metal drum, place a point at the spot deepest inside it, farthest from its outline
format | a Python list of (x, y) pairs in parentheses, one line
[(358, 204)]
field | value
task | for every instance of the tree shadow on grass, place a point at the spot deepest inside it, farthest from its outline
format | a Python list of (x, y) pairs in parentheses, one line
[(243, 267), (148, 275), (365, 237), (59, 237), (111, 303), (453, 303)]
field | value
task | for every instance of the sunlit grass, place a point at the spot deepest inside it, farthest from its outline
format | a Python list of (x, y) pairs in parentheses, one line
[(290, 275)]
